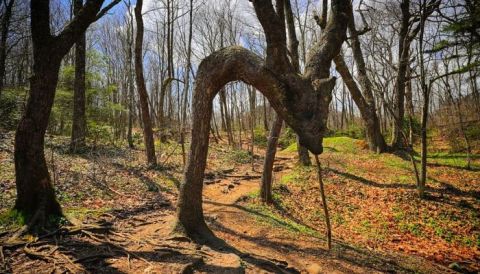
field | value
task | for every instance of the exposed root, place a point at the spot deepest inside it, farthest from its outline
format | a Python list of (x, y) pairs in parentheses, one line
[(201, 235)]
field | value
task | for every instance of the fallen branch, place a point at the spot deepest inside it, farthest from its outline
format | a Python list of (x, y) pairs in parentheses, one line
[(246, 177), (324, 203)]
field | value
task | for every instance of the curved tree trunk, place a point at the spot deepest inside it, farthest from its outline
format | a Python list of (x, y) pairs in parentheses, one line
[(142, 90), (300, 100), (266, 188)]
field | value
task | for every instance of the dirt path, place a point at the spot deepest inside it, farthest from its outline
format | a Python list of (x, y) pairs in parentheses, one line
[(136, 240), (241, 228)]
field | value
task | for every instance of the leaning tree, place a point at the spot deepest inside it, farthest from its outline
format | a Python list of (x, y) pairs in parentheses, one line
[(301, 100), (35, 193)]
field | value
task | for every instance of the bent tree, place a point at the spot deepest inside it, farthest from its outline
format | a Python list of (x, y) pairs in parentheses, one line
[(35, 194), (301, 100)]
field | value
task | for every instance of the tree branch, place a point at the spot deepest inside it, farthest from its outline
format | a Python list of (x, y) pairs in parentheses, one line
[(106, 9)]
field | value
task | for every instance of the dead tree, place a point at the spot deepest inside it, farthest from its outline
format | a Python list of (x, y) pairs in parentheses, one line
[(300, 100)]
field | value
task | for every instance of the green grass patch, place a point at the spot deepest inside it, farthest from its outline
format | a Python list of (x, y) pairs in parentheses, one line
[(291, 148), (265, 214), (11, 219), (82, 213), (340, 144), (240, 156), (453, 159), (298, 176)]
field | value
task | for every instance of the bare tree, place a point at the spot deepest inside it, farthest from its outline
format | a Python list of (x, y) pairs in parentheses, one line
[(141, 88), (364, 100)]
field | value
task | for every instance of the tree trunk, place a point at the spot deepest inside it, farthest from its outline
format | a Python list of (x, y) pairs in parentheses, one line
[(266, 188), (265, 120), (252, 101), (426, 99), (5, 24), (227, 116), (409, 107), (374, 136), (34, 188), (303, 155), (79, 122), (403, 57), (131, 95), (141, 88)]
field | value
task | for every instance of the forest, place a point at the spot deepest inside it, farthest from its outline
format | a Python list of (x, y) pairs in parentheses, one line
[(235, 136)]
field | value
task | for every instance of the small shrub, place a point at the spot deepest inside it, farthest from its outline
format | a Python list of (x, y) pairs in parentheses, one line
[(353, 131), (260, 137), (473, 132), (99, 132), (287, 137), (9, 110), (240, 156)]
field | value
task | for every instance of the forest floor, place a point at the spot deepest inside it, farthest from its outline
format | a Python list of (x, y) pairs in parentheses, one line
[(122, 212)]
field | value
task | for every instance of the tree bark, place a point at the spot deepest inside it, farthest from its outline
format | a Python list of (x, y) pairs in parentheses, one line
[(79, 120), (34, 188), (303, 155), (141, 88), (266, 188)]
